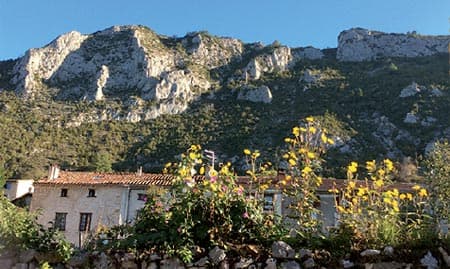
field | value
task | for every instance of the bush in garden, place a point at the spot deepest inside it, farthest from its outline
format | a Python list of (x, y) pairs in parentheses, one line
[(19, 230), (438, 173), (377, 214), (306, 145), (201, 212)]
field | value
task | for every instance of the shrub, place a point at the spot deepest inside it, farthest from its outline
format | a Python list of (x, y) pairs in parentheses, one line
[(201, 212), (378, 214), (20, 230), (307, 144)]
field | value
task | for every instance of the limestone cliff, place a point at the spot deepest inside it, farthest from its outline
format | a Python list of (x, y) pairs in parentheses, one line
[(359, 44)]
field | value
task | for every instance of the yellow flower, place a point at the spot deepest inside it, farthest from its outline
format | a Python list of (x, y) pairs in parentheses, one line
[(389, 165), (323, 137), (319, 181), (330, 141), (311, 155), (379, 183), (352, 184), (285, 156), (296, 131), (416, 187), (341, 209), (192, 155), (202, 170), (312, 129), (309, 119), (395, 192), (168, 165), (287, 140), (361, 192), (292, 162), (213, 173), (381, 172), (371, 166), (256, 154), (423, 193), (306, 170), (193, 147), (353, 167), (402, 196), (333, 190), (247, 152), (409, 196)]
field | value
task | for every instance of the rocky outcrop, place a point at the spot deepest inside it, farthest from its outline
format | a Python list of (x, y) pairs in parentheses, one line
[(121, 61), (359, 44), (309, 53), (40, 64), (410, 90), (211, 51), (279, 59), (261, 94)]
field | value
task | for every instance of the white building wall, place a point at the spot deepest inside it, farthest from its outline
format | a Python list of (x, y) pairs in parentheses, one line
[(105, 207), (18, 187)]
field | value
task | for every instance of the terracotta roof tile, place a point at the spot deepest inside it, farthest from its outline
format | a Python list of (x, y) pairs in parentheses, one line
[(94, 178)]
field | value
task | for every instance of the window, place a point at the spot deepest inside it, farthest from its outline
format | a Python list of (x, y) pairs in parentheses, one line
[(91, 193), (142, 197), (60, 221), (63, 192), (268, 202), (85, 222)]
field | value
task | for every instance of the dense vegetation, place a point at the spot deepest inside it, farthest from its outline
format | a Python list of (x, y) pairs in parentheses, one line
[(196, 214), (348, 100)]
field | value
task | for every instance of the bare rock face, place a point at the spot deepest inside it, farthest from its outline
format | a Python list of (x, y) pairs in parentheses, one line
[(212, 52), (310, 53), (279, 59), (40, 64), (359, 44), (258, 95), (410, 90)]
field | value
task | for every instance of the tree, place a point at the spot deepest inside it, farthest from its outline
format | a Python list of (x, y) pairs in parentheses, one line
[(438, 173), (2, 180), (102, 162)]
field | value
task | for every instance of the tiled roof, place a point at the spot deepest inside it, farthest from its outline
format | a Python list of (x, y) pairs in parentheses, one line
[(95, 178)]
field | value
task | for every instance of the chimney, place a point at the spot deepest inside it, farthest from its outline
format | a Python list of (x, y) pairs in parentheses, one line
[(53, 172), (139, 172)]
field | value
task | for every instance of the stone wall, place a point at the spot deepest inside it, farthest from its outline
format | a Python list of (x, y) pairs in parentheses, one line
[(281, 256)]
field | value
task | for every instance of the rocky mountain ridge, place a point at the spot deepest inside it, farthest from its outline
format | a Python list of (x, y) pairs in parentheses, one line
[(382, 94)]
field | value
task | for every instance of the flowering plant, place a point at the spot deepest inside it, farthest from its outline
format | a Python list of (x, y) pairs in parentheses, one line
[(377, 213), (203, 208)]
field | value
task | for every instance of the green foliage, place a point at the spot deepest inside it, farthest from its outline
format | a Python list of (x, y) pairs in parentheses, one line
[(102, 162), (306, 146), (373, 214), (438, 175), (20, 230), (199, 214)]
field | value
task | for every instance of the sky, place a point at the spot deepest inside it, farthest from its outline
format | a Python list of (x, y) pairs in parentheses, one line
[(26, 24)]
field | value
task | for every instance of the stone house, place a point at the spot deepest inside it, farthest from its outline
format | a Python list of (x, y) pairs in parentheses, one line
[(78, 203)]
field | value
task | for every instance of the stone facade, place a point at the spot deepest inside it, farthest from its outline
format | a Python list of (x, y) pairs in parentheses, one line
[(108, 205)]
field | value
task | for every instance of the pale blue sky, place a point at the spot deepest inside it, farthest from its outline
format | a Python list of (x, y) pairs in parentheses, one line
[(27, 24)]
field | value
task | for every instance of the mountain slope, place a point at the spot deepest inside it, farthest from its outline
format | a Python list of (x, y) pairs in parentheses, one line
[(143, 98)]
